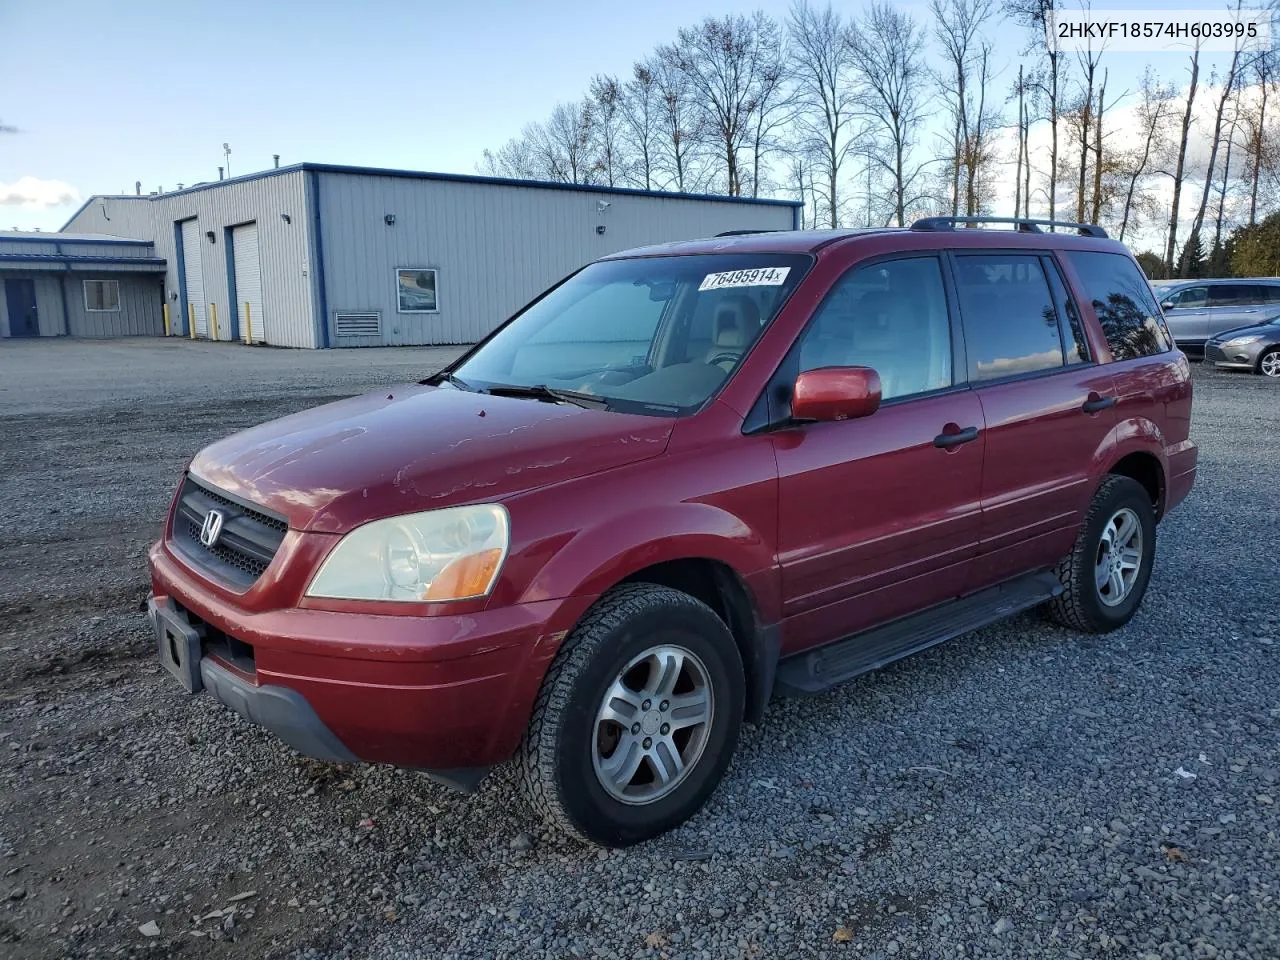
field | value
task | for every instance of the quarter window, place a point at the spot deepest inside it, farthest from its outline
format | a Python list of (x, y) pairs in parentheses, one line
[(102, 296), (890, 316), (1010, 324), (1122, 300)]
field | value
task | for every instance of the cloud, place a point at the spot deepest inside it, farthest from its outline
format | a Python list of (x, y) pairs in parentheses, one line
[(34, 192)]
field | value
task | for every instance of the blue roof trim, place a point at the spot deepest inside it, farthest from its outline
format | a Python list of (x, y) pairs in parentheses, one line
[(57, 239), (465, 178), (72, 258)]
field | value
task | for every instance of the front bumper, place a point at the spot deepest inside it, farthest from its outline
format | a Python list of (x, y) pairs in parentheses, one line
[(1234, 358), (445, 694)]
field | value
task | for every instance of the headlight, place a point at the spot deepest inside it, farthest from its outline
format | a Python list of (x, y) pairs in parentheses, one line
[(451, 554), (1243, 341)]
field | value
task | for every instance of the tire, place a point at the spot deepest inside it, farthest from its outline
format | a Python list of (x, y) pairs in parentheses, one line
[(1269, 364), (564, 747), (1085, 604)]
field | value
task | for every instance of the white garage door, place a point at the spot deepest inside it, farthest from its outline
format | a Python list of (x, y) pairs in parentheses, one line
[(194, 277), (244, 241)]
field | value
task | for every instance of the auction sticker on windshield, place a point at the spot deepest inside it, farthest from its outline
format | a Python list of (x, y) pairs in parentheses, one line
[(759, 277)]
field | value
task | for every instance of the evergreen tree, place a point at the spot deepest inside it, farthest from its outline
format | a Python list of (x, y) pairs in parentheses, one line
[(1191, 263), (1152, 265)]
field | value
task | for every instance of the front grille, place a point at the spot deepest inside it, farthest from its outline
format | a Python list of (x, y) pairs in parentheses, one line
[(249, 539)]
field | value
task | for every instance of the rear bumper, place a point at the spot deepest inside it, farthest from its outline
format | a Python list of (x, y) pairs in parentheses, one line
[(445, 694)]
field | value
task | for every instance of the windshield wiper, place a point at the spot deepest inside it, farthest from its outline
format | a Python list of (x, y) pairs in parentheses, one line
[(540, 391), (449, 378)]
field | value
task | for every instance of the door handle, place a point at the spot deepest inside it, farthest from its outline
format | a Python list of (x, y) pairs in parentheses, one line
[(1096, 403), (946, 440)]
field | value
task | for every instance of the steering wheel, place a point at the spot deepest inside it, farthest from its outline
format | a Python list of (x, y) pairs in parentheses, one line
[(731, 358)]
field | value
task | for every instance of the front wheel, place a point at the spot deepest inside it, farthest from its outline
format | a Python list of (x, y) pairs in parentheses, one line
[(1269, 363), (1105, 576), (636, 719)]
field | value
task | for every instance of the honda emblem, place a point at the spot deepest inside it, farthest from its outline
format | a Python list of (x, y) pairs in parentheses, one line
[(211, 529)]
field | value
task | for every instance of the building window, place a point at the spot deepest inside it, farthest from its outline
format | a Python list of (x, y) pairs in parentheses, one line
[(416, 290), (102, 296)]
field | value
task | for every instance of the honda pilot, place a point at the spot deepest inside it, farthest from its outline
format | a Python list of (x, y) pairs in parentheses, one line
[(684, 480)]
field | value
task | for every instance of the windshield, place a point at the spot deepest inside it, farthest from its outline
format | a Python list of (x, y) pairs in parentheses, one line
[(654, 335)]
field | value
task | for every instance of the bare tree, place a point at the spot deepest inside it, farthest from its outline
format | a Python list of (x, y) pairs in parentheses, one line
[(1222, 192), (1215, 140), (1098, 163), (678, 121), (979, 153), (1023, 90), (1035, 15), (563, 144), (606, 132), (1152, 116), (774, 100), (821, 63), (515, 158), (1089, 60), (1260, 147), (889, 53), (1171, 244), (724, 63), (641, 109), (957, 27)]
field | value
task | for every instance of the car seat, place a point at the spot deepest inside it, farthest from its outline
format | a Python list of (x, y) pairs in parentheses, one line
[(733, 325)]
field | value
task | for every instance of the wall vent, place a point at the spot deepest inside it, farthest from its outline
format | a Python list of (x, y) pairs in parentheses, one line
[(357, 325)]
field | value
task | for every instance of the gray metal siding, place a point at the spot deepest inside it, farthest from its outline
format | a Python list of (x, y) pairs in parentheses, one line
[(495, 247), (139, 313), (284, 247), (191, 302), (48, 301), (132, 217)]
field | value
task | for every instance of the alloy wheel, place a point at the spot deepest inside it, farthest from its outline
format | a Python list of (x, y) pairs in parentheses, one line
[(652, 724), (1270, 364), (1119, 557)]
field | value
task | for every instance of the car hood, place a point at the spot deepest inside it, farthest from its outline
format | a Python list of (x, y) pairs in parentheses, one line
[(1265, 328), (413, 447)]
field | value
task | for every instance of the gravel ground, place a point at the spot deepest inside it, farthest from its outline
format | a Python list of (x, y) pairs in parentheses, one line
[(1022, 792)]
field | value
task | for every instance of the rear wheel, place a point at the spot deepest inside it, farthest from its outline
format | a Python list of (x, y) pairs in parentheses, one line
[(637, 717), (1105, 576), (1269, 363)]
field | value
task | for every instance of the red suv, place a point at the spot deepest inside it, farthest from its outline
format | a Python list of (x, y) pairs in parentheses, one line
[(683, 478)]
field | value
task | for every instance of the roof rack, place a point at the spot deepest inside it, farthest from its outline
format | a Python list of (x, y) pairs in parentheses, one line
[(1023, 224), (743, 233)]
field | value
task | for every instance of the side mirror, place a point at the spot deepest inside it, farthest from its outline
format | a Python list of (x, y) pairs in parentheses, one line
[(1166, 305), (836, 393)]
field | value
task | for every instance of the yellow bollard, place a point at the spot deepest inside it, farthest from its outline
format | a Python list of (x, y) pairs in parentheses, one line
[(248, 323), (213, 317), (164, 309), (191, 319)]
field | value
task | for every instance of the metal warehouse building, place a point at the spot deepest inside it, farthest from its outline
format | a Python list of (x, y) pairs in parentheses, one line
[(316, 255), (61, 284)]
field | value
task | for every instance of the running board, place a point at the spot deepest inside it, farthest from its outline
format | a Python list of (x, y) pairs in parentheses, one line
[(817, 670)]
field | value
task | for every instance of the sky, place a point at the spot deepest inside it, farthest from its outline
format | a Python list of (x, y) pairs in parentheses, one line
[(106, 94)]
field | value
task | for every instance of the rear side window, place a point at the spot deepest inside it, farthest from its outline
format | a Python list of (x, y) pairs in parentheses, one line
[(1272, 292), (1010, 324), (1122, 300), (1231, 295)]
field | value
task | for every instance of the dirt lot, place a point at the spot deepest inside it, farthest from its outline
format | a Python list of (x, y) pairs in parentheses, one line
[(1023, 792)]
